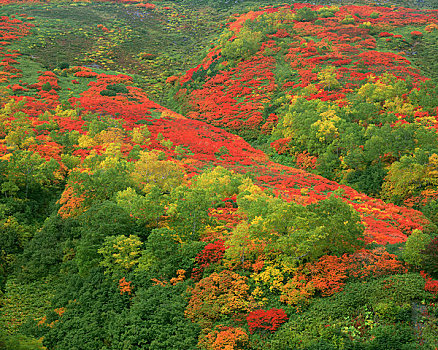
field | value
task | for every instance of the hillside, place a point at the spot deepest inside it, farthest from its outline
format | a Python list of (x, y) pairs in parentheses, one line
[(344, 92), (285, 197)]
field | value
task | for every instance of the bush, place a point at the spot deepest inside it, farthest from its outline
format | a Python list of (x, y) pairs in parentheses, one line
[(392, 337), (114, 89), (305, 14), (348, 19), (108, 93), (430, 262), (18, 342), (331, 322), (341, 222), (63, 65), (415, 244), (118, 88), (46, 87)]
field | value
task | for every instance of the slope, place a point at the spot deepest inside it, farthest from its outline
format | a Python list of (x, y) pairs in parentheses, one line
[(122, 219), (324, 89)]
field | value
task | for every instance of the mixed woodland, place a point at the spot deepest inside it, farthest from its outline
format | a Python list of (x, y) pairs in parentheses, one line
[(218, 175)]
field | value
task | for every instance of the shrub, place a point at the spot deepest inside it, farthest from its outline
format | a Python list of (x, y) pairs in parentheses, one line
[(416, 34), (388, 337), (108, 93), (348, 19), (46, 87), (268, 320), (430, 261), (415, 244), (305, 14), (119, 88), (63, 65)]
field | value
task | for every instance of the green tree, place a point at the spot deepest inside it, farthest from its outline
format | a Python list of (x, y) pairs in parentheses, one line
[(156, 321), (148, 208), (341, 223), (246, 44), (120, 254), (415, 244), (165, 253), (305, 14), (27, 174), (102, 220), (189, 211), (48, 248)]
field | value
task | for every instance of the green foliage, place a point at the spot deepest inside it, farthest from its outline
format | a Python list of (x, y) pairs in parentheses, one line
[(156, 320), (305, 14), (324, 12), (392, 337), (165, 253), (143, 222), (341, 222), (63, 65), (430, 253), (18, 342), (28, 175), (146, 208), (368, 180), (219, 182), (189, 211), (246, 44), (101, 221), (86, 322), (46, 87), (120, 254), (24, 300), (348, 19), (104, 183), (45, 252), (114, 89), (108, 93), (326, 227), (13, 237), (415, 243), (362, 312)]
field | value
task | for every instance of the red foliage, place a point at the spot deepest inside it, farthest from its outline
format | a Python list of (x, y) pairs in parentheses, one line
[(306, 161), (212, 253), (431, 285), (281, 145), (385, 34), (217, 101), (329, 274), (268, 320), (125, 286), (281, 33)]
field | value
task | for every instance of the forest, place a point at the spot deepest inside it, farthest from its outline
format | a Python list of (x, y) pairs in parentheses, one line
[(218, 175)]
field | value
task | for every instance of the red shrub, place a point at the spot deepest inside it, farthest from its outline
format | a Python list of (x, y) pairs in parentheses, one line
[(268, 320)]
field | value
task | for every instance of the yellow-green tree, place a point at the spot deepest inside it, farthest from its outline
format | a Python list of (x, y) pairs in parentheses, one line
[(150, 171), (120, 254)]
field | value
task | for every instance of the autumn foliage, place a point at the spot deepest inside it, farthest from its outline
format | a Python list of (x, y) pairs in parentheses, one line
[(186, 229), (268, 320)]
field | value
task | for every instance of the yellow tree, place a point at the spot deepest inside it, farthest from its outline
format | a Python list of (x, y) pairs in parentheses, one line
[(150, 171), (326, 129), (120, 254), (327, 77)]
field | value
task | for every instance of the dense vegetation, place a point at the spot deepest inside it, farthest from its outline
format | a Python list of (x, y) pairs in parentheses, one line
[(218, 175)]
